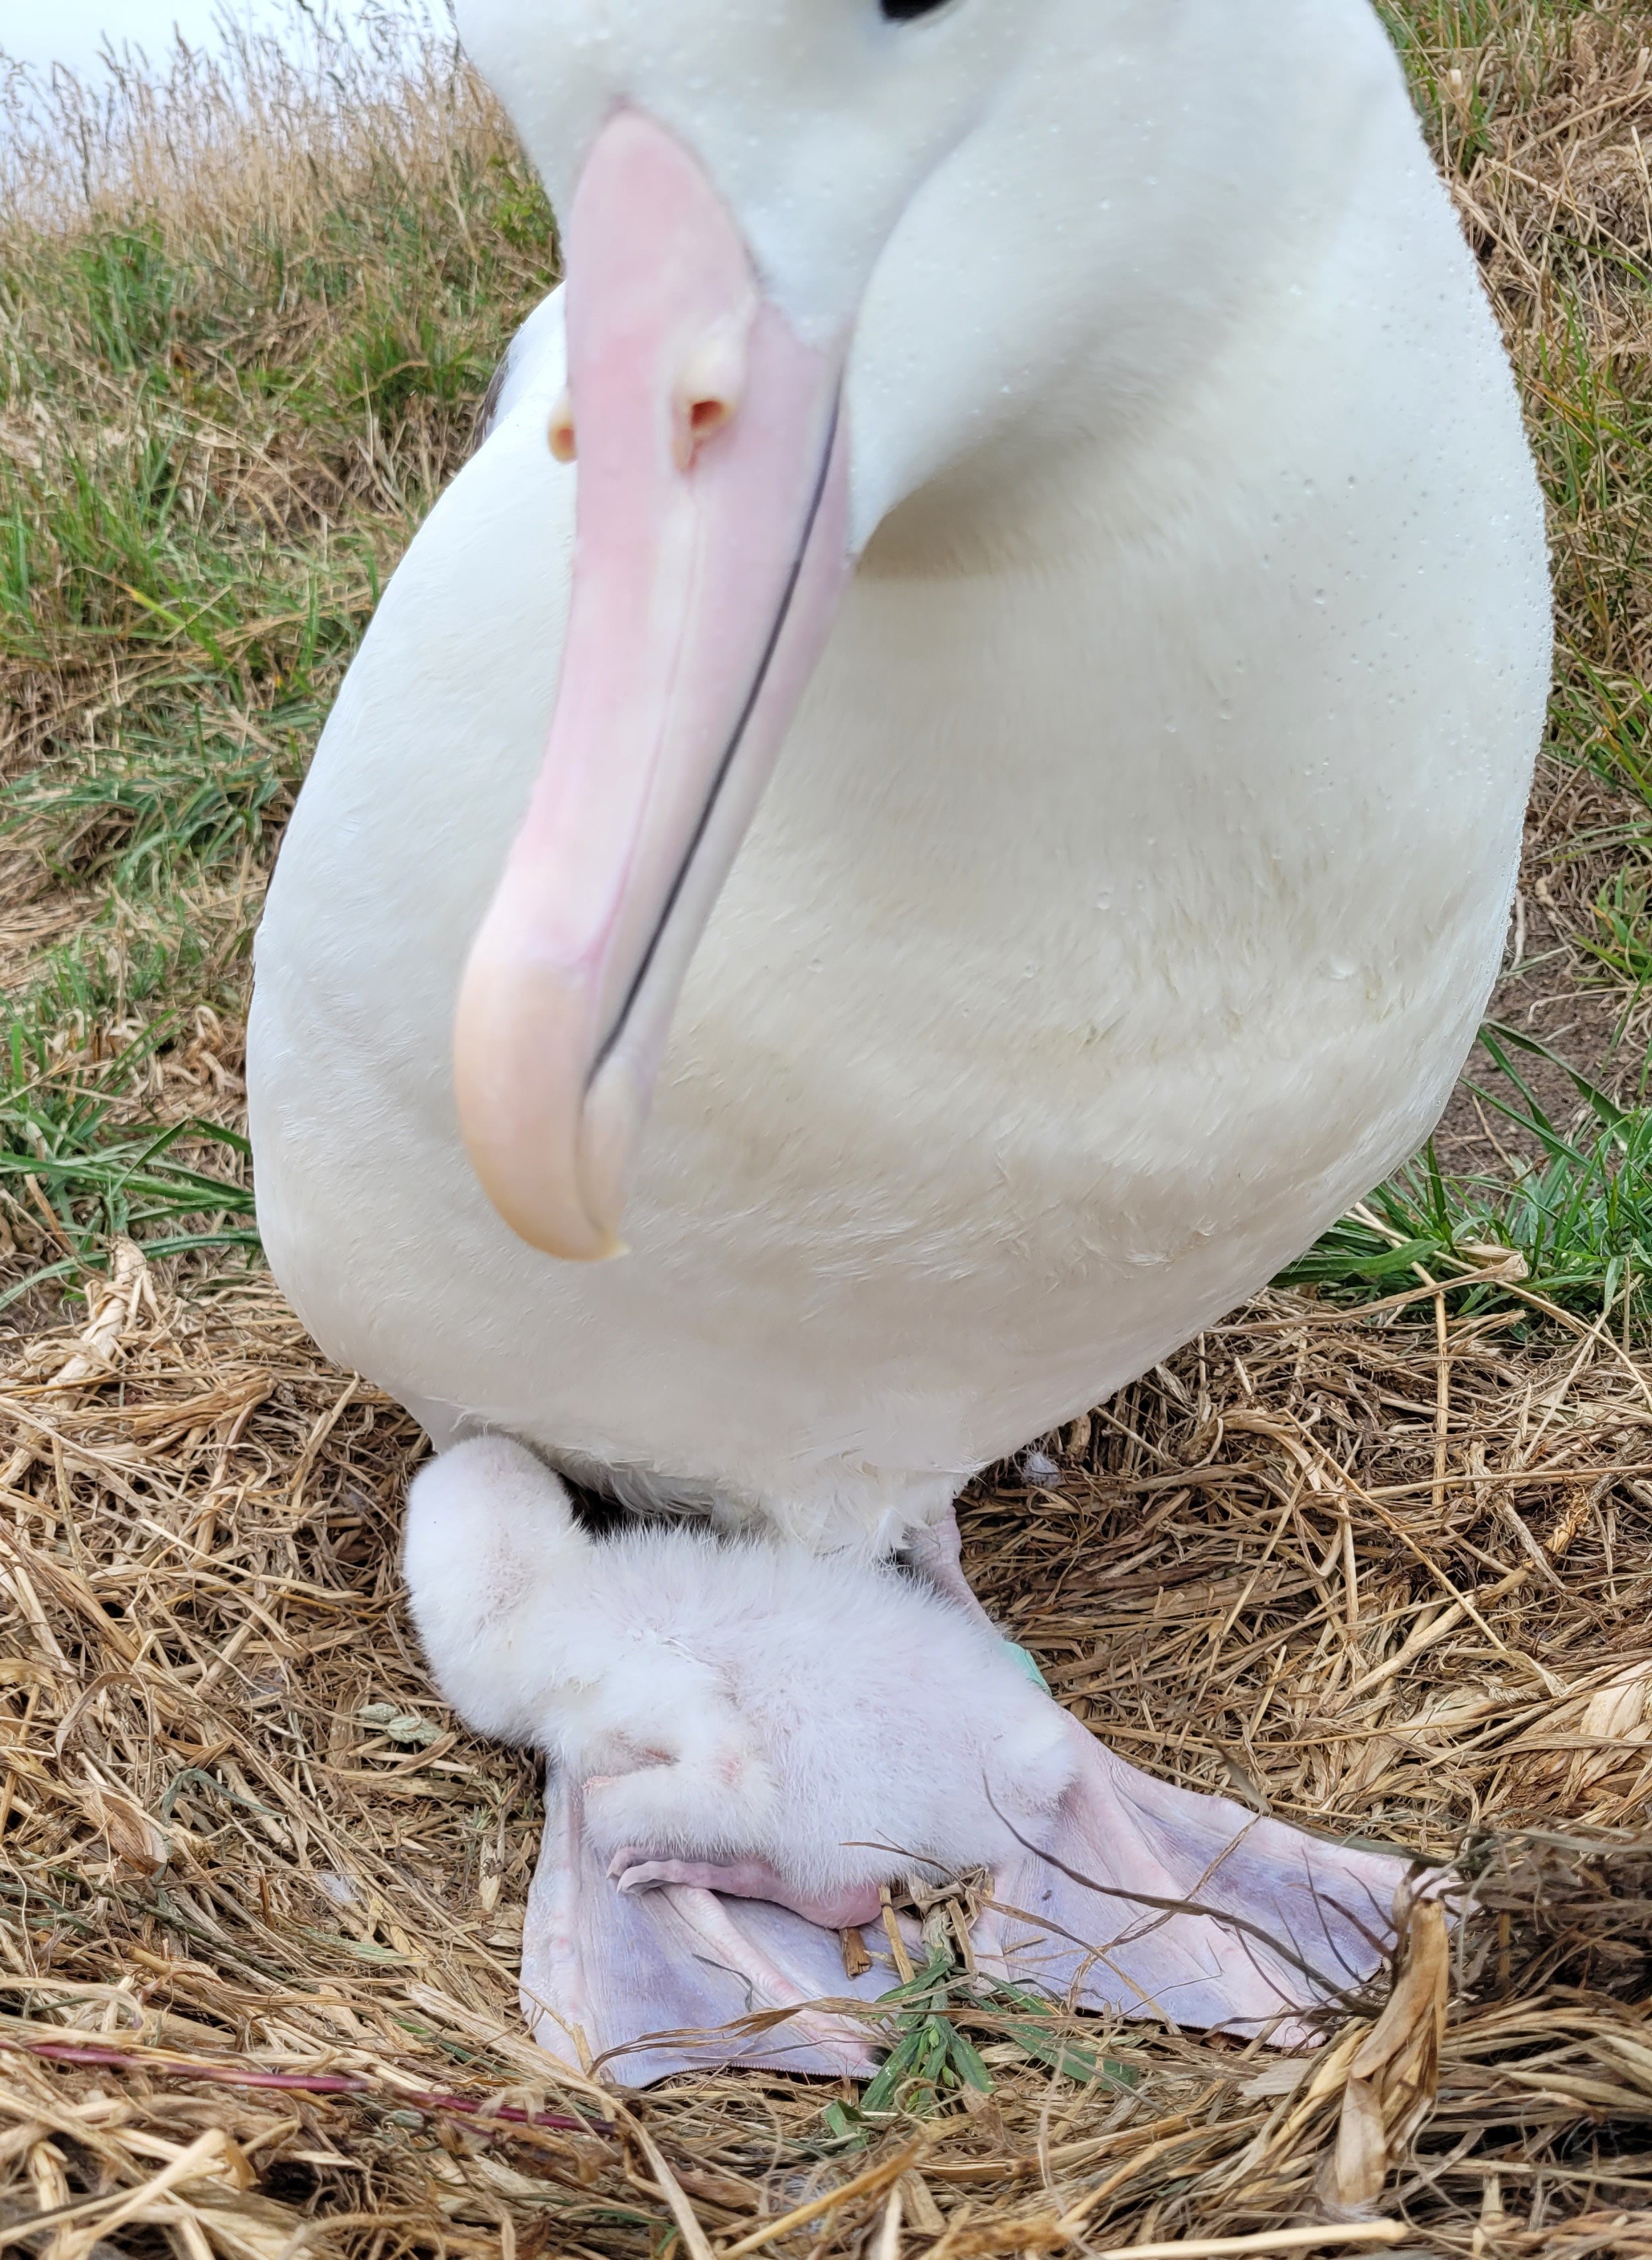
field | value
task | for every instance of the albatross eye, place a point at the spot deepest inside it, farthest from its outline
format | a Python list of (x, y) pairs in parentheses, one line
[(903, 12)]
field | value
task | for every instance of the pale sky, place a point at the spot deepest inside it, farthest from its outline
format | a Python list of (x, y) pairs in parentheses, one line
[(43, 31)]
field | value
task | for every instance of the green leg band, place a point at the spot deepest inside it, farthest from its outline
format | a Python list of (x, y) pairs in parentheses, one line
[(1026, 1665)]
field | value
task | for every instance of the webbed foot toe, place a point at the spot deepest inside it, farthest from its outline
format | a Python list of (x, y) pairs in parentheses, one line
[(635, 1870)]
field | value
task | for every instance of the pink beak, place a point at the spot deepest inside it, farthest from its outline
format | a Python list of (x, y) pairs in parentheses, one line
[(709, 558)]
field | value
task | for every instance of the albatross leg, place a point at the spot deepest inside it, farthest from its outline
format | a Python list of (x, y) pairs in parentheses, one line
[(935, 1550)]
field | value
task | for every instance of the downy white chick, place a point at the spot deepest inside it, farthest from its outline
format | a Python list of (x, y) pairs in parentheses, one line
[(742, 1715)]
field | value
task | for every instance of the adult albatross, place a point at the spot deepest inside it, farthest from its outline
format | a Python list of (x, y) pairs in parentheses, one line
[(939, 795)]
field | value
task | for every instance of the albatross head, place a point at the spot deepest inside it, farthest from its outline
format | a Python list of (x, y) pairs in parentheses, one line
[(728, 172)]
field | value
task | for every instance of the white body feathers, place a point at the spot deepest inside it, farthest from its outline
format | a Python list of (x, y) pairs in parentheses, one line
[(1133, 876)]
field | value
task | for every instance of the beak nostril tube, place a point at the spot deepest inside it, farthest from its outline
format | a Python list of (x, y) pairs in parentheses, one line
[(706, 417), (709, 389), (699, 415)]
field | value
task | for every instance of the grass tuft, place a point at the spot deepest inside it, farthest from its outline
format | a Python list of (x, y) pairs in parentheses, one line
[(248, 307), (1578, 1215)]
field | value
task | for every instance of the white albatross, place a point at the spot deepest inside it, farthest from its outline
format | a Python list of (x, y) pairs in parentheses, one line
[(951, 773)]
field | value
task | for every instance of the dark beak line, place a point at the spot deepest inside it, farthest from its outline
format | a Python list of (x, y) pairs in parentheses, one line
[(730, 750)]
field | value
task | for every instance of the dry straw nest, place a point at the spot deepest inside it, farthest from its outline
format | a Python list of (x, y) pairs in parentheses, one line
[(1382, 1571), (1380, 1575)]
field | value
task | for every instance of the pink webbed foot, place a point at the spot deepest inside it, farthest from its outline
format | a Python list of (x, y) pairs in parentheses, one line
[(666, 1975), (635, 1871), (1152, 1901)]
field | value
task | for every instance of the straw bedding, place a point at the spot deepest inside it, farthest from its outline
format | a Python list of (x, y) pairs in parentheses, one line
[(1381, 1570), (1386, 1574)]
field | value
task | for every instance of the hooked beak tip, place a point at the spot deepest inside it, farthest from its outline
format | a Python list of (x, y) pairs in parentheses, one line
[(571, 1238), (552, 1154)]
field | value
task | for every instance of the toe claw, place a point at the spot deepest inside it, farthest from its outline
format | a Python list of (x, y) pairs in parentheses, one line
[(633, 1870)]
